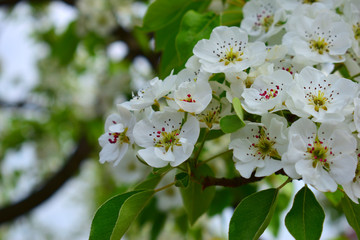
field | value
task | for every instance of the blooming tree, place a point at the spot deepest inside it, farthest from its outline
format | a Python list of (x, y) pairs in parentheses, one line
[(279, 79)]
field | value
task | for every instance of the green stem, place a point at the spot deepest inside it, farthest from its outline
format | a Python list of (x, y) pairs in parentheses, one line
[(164, 187), (286, 182), (356, 75), (197, 153), (337, 67), (213, 157), (182, 169)]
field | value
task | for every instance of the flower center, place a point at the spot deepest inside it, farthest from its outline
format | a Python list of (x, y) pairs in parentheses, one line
[(168, 139), (188, 99), (318, 154), (210, 117), (270, 93), (319, 101), (265, 147), (231, 56), (267, 21), (356, 29), (119, 136), (319, 45)]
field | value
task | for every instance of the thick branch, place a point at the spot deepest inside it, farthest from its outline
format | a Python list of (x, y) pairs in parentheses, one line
[(226, 182), (233, 182), (40, 195)]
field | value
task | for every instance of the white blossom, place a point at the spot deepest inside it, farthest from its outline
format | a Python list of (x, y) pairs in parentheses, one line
[(267, 93), (324, 38), (165, 139), (325, 98), (260, 146), (117, 137), (151, 94), (323, 157), (228, 50), (262, 18)]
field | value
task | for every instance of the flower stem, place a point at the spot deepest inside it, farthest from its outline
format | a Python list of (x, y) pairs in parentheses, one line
[(197, 153), (356, 75), (164, 187), (286, 182), (213, 157)]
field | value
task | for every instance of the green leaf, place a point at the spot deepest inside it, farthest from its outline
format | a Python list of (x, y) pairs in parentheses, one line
[(213, 134), (232, 16), (158, 225), (306, 217), (65, 47), (182, 179), (237, 107), (218, 77), (194, 27), (197, 200), (231, 123), (222, 199), (129, 211), (106, 216), (150, 183), (352, 213), (253, 215), (163, 12)]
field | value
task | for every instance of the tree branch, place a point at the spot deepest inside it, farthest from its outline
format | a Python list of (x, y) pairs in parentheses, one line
[(233, 182), (40, 195)]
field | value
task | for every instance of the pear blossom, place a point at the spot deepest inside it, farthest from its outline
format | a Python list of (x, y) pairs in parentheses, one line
[(260, 146), (228, 50), (193, 92), (324, 38), (352, 189), (193, 97), (211, 116), (293, 5), (262, 19), (117, 137), (325, 98), (352, 64), (267, 93), (151, 94), (323, 157), (352, 17), (166, 138)]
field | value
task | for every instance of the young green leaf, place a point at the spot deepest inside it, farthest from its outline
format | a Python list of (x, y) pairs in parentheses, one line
[(106, 216), (182, 179), (150, 183), (194, 27), (197, 200), (306, 217), (231, 123), (352, 213), (253, 215), (163, 12), (129, 211), (237, 107)]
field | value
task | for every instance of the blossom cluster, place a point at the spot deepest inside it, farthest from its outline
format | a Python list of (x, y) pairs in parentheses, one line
[(282, 63)]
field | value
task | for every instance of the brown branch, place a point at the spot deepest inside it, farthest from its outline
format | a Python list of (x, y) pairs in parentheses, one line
[(233, 182), (40, 195)]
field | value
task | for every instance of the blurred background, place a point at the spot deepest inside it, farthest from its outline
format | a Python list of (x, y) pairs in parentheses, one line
[(63, 67)]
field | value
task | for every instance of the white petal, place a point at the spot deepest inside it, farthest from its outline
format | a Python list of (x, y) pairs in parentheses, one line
[(148, 155)]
